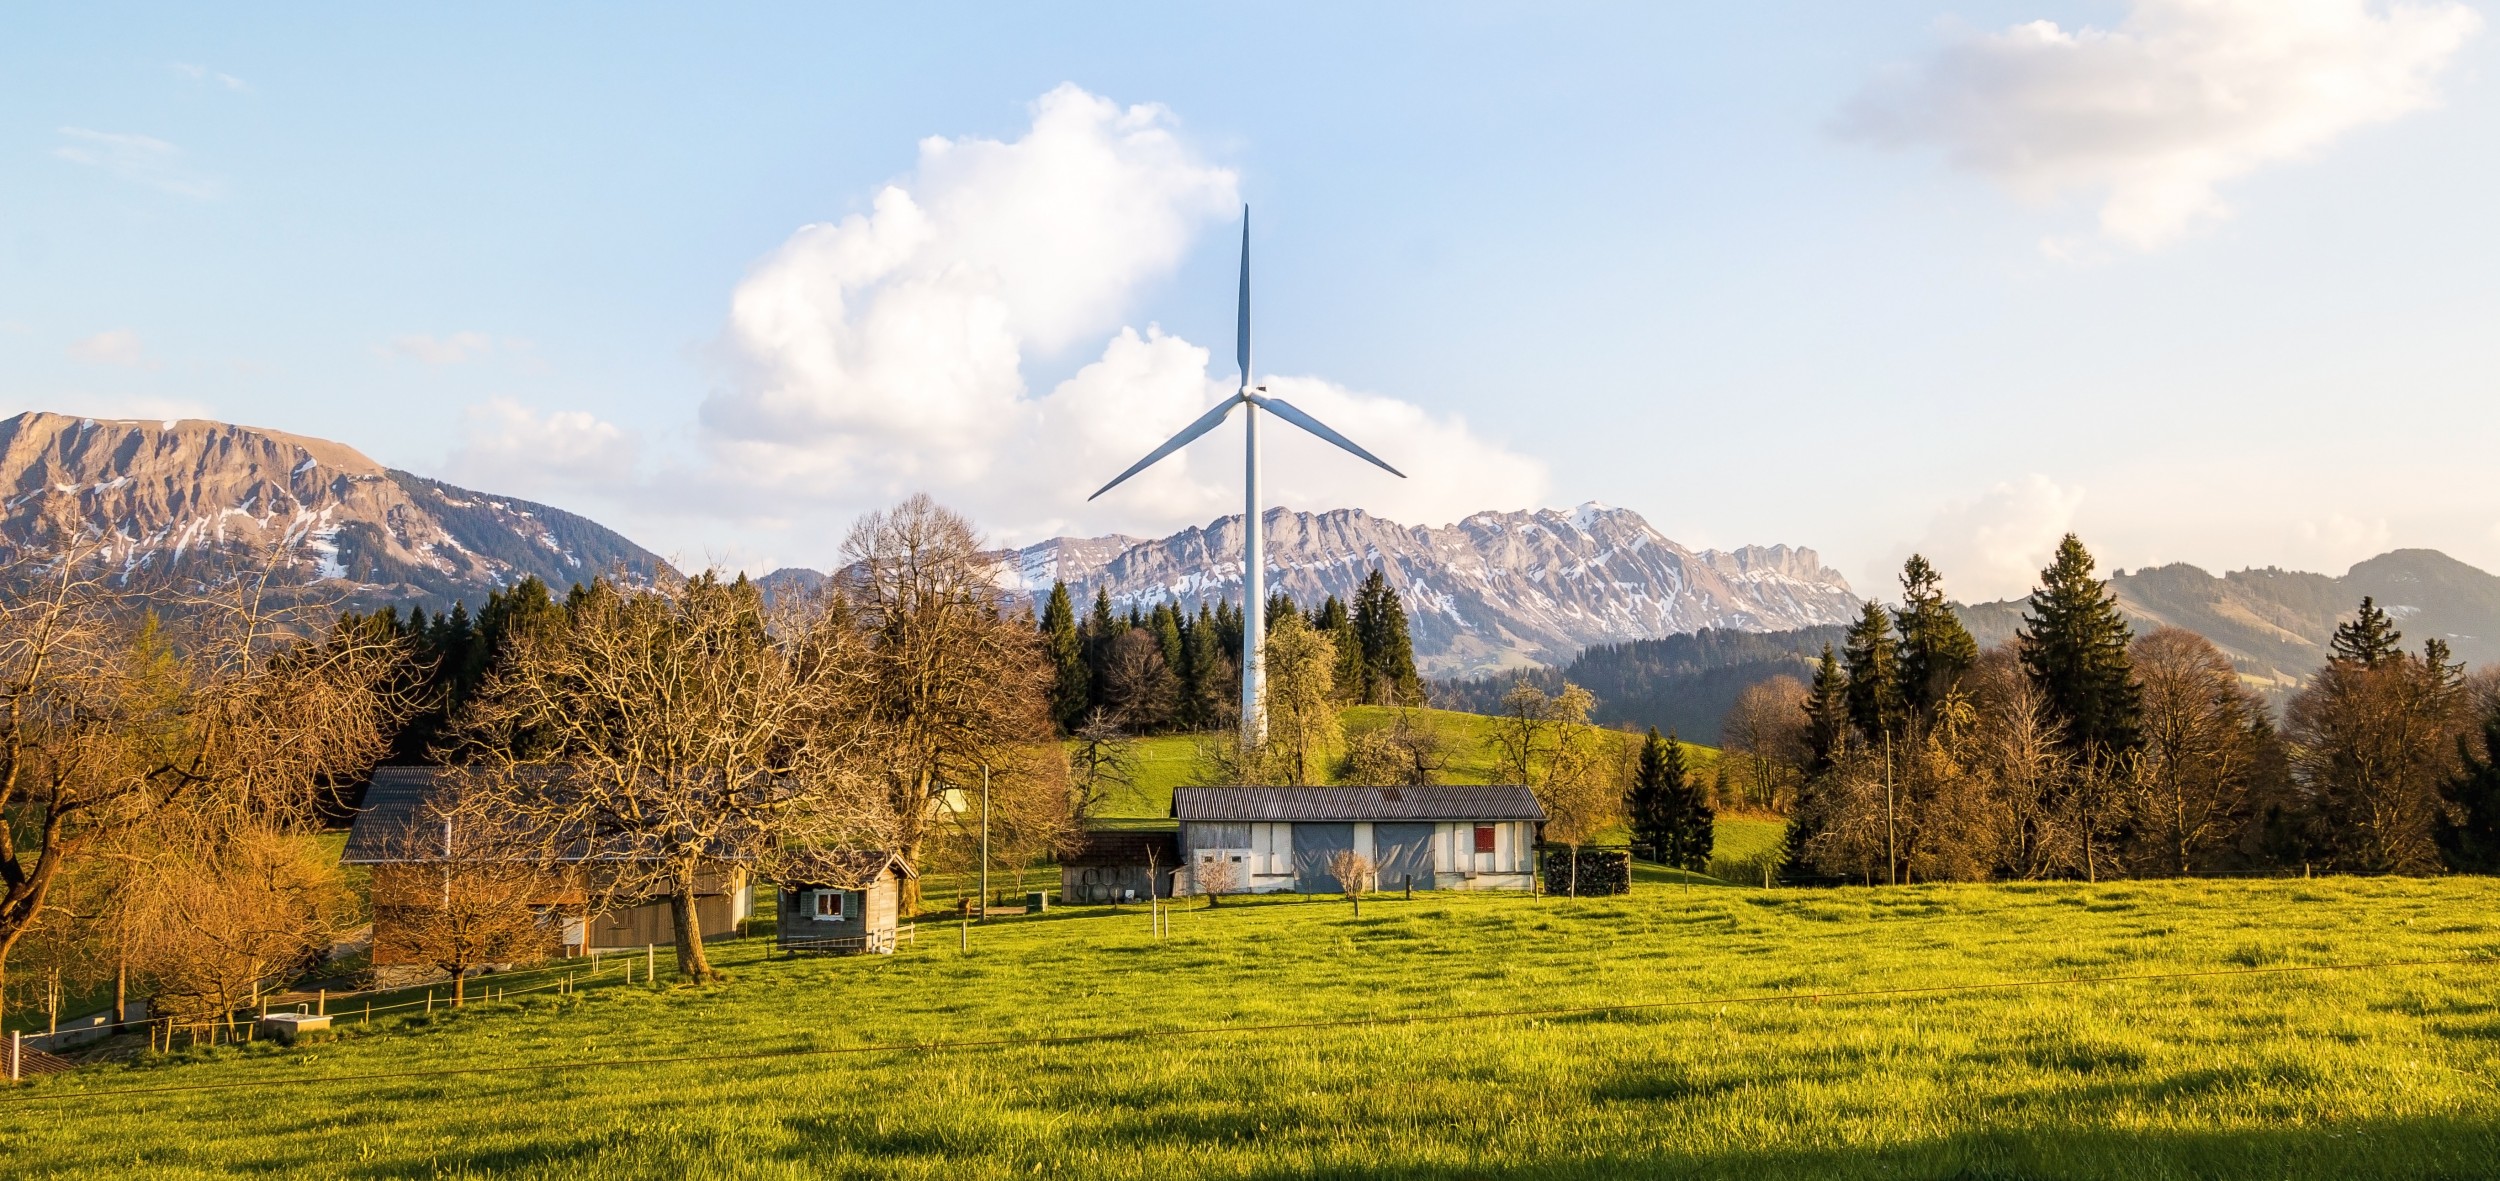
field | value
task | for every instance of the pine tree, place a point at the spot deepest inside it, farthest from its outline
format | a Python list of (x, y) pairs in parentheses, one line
[(1389, 675), (1101, 630), (1333, 619), (2469, 835), (1688, 834), (1071, 681), (1212, 684), (1166, 622), (2074, 649), (2368, 637), (1827, 715), (1935, 648), (1228, 622), (1874, 660), (1279, 605), (1646, 803)]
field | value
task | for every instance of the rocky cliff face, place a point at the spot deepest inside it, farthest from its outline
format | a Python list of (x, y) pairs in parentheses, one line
[(181, 503), (1494, 590)]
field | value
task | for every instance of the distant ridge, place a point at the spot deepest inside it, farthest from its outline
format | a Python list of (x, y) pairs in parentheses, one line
[(2275, 624), (185, 502)]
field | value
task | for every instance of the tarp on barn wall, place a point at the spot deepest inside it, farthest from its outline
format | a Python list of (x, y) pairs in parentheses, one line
[(1313, 845)]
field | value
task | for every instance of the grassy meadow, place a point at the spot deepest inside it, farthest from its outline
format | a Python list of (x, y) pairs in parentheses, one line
[(2367, 1073)]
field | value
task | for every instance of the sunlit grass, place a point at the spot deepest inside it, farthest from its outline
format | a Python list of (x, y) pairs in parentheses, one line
[(2329, 1074)]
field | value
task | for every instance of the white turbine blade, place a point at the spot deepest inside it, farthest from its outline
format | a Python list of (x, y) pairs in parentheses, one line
[(1241, 337), (1206, 422), (1285, 410)]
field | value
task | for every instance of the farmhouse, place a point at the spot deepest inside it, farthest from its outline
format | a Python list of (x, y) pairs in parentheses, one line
[(842, 903), (396, 804), (1272, 839)]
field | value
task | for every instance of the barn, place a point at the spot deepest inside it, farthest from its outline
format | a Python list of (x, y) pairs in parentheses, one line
[(1280, 839), (397, 799)]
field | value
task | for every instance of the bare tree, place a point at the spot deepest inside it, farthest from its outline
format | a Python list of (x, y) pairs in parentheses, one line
[(1403, 753), (1356, 876), (457, 895), (1102, 760), (953, 686), (234, 713), (2208, 751), (230, 917), (1136, 681), (1214, 877), (1764, 740), (666, 737), (2371, 743)]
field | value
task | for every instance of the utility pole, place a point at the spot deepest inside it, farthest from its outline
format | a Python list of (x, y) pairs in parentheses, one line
[(985, 840), (1892, 857)]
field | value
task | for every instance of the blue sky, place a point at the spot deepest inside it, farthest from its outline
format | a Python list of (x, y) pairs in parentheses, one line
[(2206, 282)]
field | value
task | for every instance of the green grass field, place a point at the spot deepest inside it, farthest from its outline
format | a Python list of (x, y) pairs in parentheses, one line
[(2386, 1072)]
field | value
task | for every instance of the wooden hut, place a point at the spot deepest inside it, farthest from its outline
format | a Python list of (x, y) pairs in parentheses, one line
[(842, 904)]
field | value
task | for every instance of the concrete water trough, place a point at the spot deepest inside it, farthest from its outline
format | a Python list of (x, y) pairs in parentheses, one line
[(288, 1027)]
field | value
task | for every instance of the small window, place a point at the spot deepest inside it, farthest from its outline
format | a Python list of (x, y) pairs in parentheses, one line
[(828, 906), (1484, 838)]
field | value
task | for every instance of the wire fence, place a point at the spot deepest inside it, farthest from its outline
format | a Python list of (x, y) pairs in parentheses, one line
[(1206, 1031)]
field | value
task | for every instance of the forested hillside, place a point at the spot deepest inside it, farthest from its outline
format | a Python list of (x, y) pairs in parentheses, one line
[(1681, 684)]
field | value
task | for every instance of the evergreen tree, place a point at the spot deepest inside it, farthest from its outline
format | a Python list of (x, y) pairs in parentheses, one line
[(1389, 676), (1279, 605), (1334, 620), (2368, 637), (1646, 804), (1228, 626), (1071, 682), (2469, 834), (1688, 836), (1167, 622), (2074, 649), (1935, 648), (1874, 660), (1101, 630), (1212, 683), (1827, 715)]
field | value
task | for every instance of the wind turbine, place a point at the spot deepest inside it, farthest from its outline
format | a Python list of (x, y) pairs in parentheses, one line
[(1250, 399)]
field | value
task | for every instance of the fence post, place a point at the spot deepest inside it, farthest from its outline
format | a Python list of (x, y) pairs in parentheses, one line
[(16, 1049), (649, 959), (322, 1005)]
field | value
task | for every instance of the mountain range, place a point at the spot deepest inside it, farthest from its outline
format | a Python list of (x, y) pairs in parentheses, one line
[(2276, 624), (183, 502), (180, 503), (1496, 590)]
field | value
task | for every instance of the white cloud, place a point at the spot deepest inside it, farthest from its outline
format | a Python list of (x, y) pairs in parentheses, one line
[(2182, 96), (508, 447), (197, 73), (1992, 546), (886, 352), (118, 346), (143, 159), (438, 350)]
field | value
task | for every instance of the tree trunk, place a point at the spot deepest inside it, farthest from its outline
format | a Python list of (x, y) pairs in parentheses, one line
[(121, 989), (459, 987), (681, 913)]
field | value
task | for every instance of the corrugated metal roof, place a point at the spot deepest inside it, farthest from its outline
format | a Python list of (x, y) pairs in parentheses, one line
[(390, 804), (1459, 802)]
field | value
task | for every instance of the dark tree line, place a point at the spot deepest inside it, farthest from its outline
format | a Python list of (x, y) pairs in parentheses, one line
[(449, 655), (2083, 749), (1167, 670)]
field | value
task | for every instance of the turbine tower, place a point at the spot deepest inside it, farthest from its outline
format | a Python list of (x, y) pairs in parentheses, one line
[(1251, 399)]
